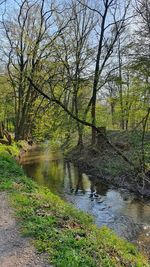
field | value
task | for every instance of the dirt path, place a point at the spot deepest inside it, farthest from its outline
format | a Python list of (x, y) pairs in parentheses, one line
[(15, 251)]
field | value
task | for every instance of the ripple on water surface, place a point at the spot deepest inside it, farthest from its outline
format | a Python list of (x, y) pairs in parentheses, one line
[(118, 209)]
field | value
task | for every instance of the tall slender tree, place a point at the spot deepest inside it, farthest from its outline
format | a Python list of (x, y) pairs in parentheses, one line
[(75, 52), (111, 23)]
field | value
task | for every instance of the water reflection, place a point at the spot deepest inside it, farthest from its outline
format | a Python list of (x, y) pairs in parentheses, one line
[(118, 209), (46, 169), (80, 183)]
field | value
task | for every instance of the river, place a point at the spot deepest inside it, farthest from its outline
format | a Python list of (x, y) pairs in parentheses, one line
[(120, 210)]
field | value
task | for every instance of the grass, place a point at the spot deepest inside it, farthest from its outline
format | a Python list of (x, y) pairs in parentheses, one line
[(67, 235)]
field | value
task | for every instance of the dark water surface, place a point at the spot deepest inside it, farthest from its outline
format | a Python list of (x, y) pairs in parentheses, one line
[(118, 209)]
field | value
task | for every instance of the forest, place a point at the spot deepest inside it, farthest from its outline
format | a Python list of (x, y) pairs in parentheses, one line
[(72, 71), (75, 84)]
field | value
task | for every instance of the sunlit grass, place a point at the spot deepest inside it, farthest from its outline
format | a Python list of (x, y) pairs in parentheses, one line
[(66, 234)]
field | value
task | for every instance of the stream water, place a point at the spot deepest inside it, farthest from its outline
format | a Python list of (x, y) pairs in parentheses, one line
[(120, 210)]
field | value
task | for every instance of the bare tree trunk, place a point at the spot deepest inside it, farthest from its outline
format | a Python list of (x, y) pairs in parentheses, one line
[(93, 114), (1, 130), (120, 86), (80, 136), (112, 107), (142, 143), (101, 138)]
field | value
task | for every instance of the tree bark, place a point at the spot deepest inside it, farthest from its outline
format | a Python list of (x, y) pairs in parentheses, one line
[(1, 130), (101, 138)]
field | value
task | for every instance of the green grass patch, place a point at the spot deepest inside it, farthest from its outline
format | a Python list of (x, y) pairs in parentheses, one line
[(66, 234), (9, 150)]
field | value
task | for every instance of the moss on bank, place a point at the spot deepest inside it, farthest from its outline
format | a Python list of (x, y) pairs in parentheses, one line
[(67, 235)]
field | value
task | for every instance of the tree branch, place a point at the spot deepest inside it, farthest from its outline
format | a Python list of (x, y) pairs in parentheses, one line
[(58, 102)]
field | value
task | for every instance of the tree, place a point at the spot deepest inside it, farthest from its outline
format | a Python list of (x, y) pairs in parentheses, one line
[(111, 23), (75, 53), (6, 105), (30, 34)]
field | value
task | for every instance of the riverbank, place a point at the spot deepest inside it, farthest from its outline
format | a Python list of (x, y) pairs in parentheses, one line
[(107, 166), (17, 149), (65, 234)]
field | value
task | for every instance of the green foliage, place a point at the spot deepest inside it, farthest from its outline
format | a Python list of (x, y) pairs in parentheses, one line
[(53, 125), (66, 234), (6, 103), (11, 150)]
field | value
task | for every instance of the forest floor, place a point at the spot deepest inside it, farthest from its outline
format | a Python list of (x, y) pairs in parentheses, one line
[(15, 250), (105, 164)]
